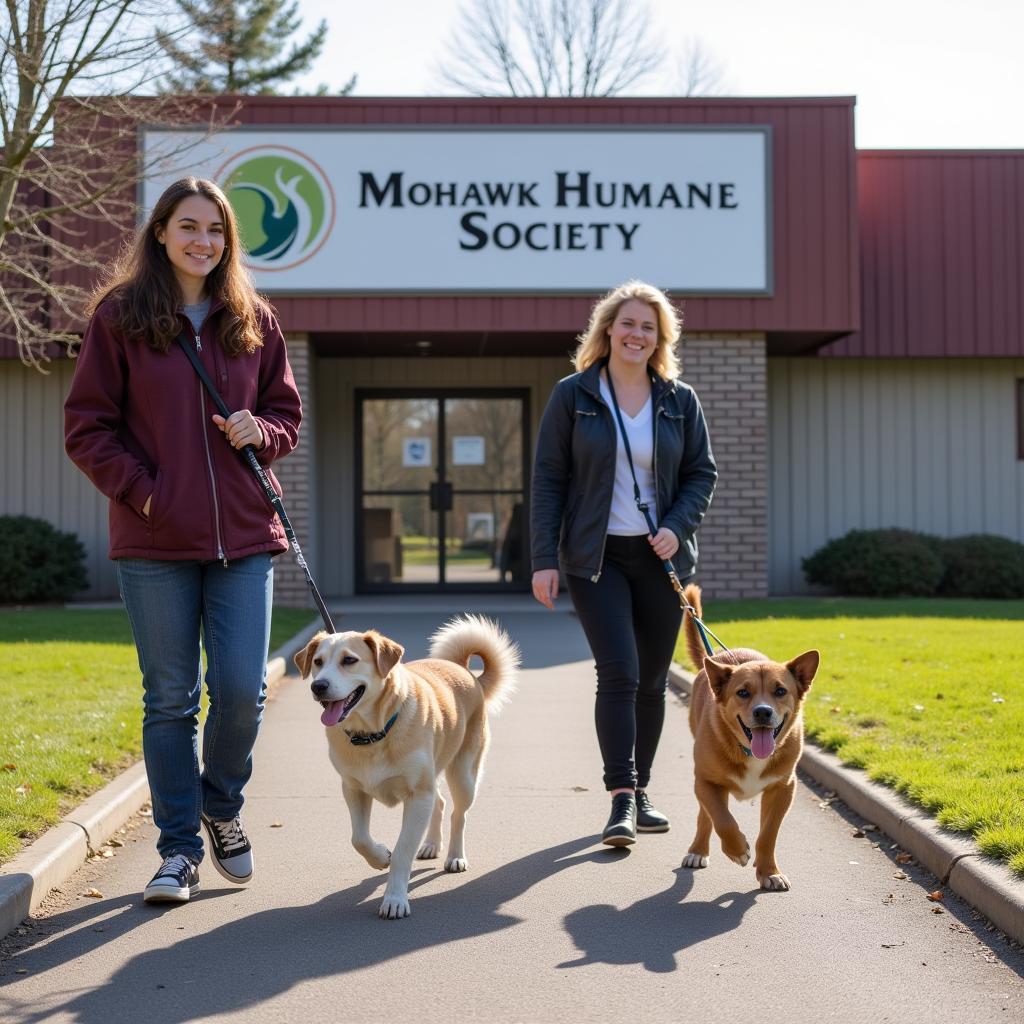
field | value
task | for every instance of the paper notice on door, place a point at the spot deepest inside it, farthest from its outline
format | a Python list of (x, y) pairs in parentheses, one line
[(467, 450), (416, 451)]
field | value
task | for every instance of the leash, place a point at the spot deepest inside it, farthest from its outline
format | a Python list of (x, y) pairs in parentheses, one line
[(702, 630), (249, 454)]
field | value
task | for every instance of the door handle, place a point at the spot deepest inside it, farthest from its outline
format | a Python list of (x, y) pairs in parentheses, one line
[(441, 496)]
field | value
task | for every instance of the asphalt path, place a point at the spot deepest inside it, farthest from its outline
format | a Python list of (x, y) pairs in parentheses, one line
[(547, 924)]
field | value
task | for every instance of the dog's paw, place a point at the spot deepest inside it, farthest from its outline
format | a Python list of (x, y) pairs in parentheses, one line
[(456, 864), (694, 860), (738, 852), (428, 851), (394, 907), (377, 856), (774, 883)]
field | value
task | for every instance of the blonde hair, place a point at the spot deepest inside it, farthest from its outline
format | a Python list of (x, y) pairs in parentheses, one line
[(595, 345)]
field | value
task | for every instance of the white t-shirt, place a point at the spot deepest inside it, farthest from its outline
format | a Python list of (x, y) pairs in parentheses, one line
[(626, 520)]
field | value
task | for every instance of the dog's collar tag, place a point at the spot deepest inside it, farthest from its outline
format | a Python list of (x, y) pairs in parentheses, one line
[(360, 739), (746, 750)]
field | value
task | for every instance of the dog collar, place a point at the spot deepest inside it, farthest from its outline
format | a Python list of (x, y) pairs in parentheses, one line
[(360, 739), (746, 750)]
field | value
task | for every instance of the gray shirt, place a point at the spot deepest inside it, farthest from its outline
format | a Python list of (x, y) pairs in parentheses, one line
[(197, 313)]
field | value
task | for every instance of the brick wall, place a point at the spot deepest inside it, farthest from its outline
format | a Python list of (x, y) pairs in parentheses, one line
[(729, 375), (295, 474)]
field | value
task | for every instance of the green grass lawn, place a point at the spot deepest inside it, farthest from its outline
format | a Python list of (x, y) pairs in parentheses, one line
[(926, 695), (71, 709)]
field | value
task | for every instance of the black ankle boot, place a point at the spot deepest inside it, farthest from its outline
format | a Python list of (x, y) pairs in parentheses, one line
[(647, 818), (621, 827)]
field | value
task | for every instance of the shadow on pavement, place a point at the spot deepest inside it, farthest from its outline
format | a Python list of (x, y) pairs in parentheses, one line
[(264, 954), (653, 930)]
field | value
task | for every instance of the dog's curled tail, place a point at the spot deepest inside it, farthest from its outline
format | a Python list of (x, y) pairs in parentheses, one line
[(467, 635), (694, 647)]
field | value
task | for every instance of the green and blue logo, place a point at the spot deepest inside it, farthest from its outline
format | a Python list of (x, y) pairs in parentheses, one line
[(283, 202)]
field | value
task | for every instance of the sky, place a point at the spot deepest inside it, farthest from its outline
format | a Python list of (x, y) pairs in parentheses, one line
[(941, 74)]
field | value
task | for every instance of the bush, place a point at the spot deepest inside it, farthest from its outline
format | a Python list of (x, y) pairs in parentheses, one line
[(878, 563), (38, 562), (982, 565)]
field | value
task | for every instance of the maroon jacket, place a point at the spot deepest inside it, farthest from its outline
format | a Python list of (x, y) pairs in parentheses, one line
[(138, 422)]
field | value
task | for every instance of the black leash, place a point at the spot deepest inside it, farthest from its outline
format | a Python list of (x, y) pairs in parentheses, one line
[(645, 510), (249, 454)]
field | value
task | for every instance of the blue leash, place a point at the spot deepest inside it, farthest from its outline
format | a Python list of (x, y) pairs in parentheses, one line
[(701, 628)]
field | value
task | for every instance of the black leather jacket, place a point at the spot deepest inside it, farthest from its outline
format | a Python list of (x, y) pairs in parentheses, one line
[(574, 473)]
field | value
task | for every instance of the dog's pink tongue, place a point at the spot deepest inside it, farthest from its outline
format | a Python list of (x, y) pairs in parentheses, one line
[(332, 713), (762, 743)]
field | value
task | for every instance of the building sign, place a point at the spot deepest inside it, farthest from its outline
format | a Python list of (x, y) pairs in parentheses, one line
[(492, 210)]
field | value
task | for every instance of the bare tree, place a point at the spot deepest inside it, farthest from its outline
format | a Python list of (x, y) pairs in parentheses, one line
[(71, 162), (699, 71), (551, 47)]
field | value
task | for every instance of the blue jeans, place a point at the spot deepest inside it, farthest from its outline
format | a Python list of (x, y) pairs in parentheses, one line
[(168, 603)]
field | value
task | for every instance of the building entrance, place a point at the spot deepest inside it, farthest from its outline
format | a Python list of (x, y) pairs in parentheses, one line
[(441, 490)]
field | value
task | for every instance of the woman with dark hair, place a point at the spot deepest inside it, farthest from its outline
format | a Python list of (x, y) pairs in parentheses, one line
[(191, 533), (621, 432)]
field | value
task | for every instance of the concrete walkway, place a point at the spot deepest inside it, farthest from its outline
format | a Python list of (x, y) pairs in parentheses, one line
[(547, 925)]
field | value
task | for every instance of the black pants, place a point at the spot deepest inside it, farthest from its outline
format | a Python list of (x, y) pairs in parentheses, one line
[(631, 617)]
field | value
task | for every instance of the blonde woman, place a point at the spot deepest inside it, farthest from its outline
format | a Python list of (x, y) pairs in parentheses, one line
[(586, 519)]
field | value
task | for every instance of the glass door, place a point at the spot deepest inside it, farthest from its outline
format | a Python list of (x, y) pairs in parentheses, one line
[(442, 490)]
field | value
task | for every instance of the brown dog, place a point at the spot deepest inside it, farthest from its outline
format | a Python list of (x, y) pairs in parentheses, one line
[(746, 716), (393, 728)]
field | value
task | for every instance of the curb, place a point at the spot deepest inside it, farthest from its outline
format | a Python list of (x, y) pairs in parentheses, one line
[(60, 851), (955, 860)]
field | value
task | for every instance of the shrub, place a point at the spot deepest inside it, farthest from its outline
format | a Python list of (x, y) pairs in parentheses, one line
[(878, 563), (982, 565), (38, 562)]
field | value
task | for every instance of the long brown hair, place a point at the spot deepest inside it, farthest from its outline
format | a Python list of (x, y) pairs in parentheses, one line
[(148, 296), (594, 343)]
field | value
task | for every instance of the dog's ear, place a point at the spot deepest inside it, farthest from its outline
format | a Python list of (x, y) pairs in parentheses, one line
[(387, 653), (718, 675), (803, 667), (304, 658)]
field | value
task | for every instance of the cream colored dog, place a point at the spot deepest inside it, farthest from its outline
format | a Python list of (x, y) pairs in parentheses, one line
[(393, 728)]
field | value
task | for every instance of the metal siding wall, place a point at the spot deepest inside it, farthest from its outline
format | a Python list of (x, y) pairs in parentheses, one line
[(336, 381), (942, 255), (928, 445), (38, 478)]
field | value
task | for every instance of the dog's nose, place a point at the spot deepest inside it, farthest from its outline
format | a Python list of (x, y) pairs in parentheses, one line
[(319, 687), (763, 714)]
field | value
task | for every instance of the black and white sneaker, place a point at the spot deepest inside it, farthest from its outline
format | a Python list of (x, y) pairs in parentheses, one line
[(177, 881), (232, 851), (648, 818), (621, 827)]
